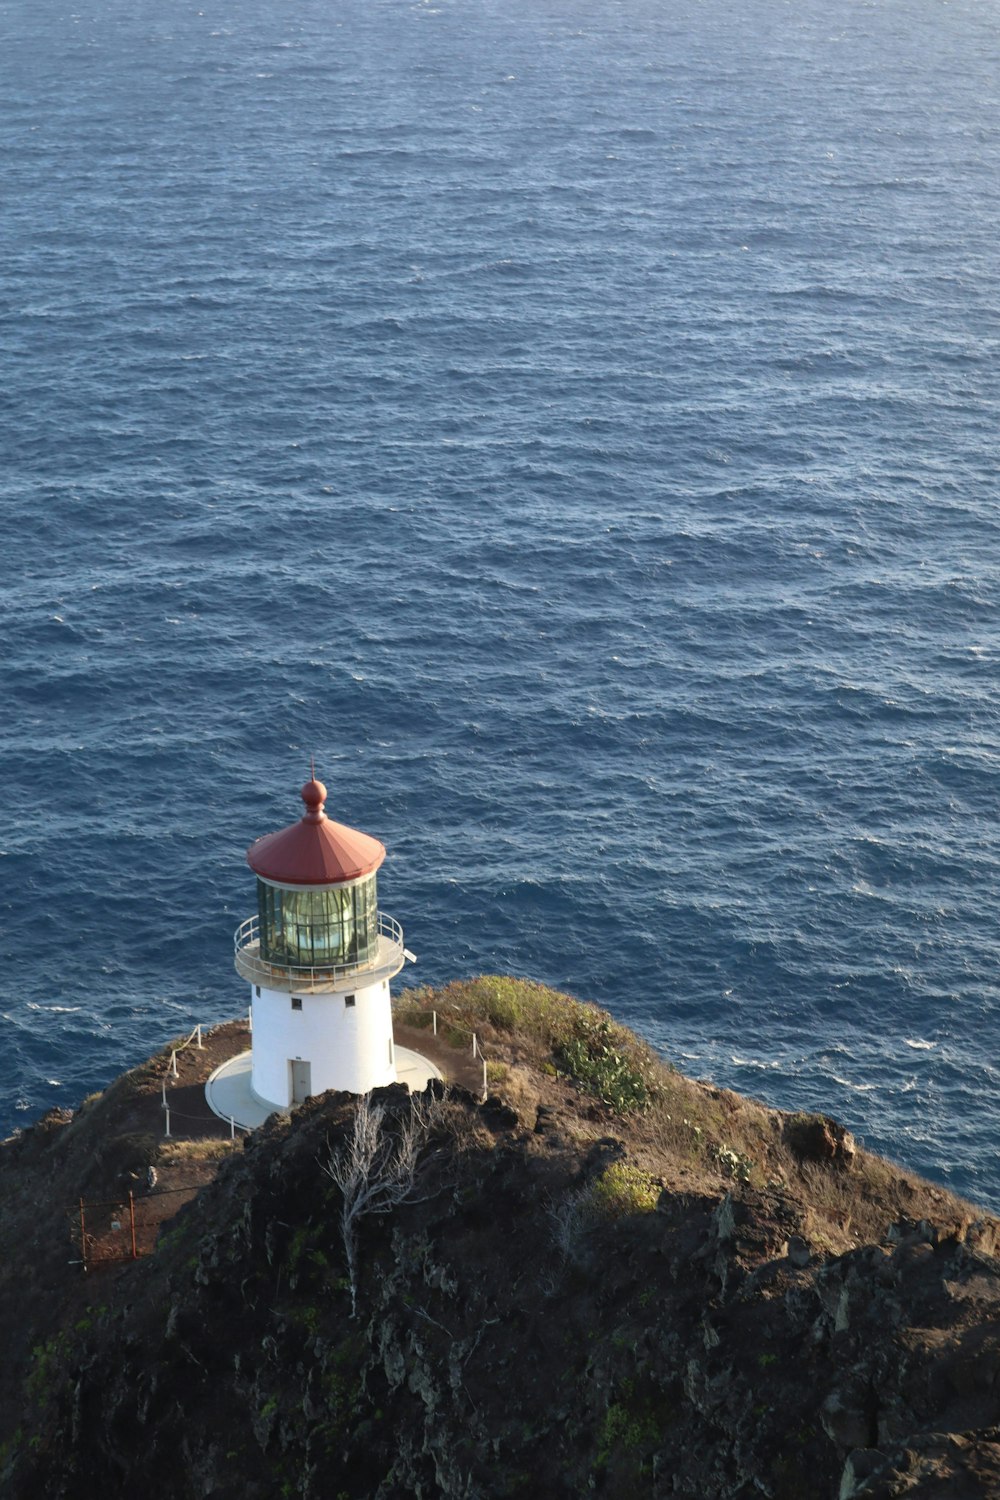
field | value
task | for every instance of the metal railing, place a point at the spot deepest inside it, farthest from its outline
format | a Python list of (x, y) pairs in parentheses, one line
[(456, 1033), (171, 1072), (194, 1033), (388, 956)]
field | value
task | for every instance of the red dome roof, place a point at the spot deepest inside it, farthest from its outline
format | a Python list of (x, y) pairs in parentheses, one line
[(315, 850)]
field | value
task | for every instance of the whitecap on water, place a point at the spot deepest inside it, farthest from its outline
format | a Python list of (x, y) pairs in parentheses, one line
[(918, 1045), (855, 1088)]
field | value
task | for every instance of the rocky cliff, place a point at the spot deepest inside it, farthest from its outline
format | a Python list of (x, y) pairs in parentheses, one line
[(605, 1278)]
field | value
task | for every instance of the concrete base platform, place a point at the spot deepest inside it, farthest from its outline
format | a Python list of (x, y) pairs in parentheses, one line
[(228, 1092)]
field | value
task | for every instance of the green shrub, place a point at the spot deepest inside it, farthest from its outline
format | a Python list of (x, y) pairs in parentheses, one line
[(605, 1060), (732, 1163), (622, 1190), (48, 1362), (631, 1423)]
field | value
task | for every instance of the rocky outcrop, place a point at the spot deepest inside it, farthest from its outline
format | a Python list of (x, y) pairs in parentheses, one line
[(818, 1138), (933, 1465), (550, 1309)]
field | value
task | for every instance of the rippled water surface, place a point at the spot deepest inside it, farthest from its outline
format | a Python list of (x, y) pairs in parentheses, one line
[(576, 426)]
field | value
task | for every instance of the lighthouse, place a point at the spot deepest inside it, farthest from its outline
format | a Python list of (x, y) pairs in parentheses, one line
[(318, 956)]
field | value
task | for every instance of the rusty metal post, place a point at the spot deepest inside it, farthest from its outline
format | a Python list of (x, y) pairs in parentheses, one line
[(131, 1218)]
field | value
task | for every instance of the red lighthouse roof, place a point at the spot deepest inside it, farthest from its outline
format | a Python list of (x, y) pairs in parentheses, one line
[(315, 850)]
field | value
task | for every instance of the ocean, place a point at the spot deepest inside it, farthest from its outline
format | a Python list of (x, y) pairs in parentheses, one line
[(573, 425)]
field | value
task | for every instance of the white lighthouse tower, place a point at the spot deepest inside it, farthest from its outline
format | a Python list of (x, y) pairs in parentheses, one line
[(319, 956)]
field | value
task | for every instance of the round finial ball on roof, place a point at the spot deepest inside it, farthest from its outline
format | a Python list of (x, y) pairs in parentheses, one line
[(316, 850), (314, 795)]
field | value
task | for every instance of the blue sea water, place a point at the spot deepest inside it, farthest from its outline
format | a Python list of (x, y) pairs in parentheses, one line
[(573, 424)]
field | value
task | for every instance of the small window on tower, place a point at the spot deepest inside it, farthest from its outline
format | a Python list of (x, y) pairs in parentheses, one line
[(296, 1002), (257, 990), (348, 1000)]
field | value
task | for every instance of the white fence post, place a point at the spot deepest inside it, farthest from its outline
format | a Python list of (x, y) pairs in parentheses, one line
[(173, 1062), (232, 1128), (475, 1045), (485, 1088), (163, 1087), (201, 1047), (435, 1016), (250, 1018), (167, 1108)]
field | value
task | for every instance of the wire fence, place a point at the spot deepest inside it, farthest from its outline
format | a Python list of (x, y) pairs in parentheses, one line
[(448, 1030), (452, 1033), (110, 1231), (113, 1230)]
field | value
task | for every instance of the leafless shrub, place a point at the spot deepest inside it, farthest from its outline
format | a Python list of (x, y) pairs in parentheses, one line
[(376, 1170), (570, 1219)]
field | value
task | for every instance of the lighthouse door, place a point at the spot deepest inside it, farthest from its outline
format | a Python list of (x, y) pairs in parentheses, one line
[(301, 1080)]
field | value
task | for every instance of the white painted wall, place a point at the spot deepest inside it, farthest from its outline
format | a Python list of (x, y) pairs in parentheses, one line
[(349, 1047)]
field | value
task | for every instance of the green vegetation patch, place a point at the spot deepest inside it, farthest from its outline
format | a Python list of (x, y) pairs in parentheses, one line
[(632, 1426), (622, 1189), (608, 1061), (48, 1363), (569, 1036), (493, 1001)]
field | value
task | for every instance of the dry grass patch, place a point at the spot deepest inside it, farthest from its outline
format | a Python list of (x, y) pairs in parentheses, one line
[(209, 1149), (708, 1130), (872, 1193), (495, 1007)]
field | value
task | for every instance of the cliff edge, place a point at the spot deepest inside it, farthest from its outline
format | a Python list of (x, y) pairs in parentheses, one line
[(605, 1278)]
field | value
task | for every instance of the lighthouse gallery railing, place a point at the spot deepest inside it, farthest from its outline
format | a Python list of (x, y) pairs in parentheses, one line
[(246, 943)]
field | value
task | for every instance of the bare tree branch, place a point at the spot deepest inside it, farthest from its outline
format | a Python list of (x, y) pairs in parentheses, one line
[(376, 1171)]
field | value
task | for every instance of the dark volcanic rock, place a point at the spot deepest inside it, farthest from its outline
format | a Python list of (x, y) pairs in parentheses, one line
[(820, 1139), (556, 1305)]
